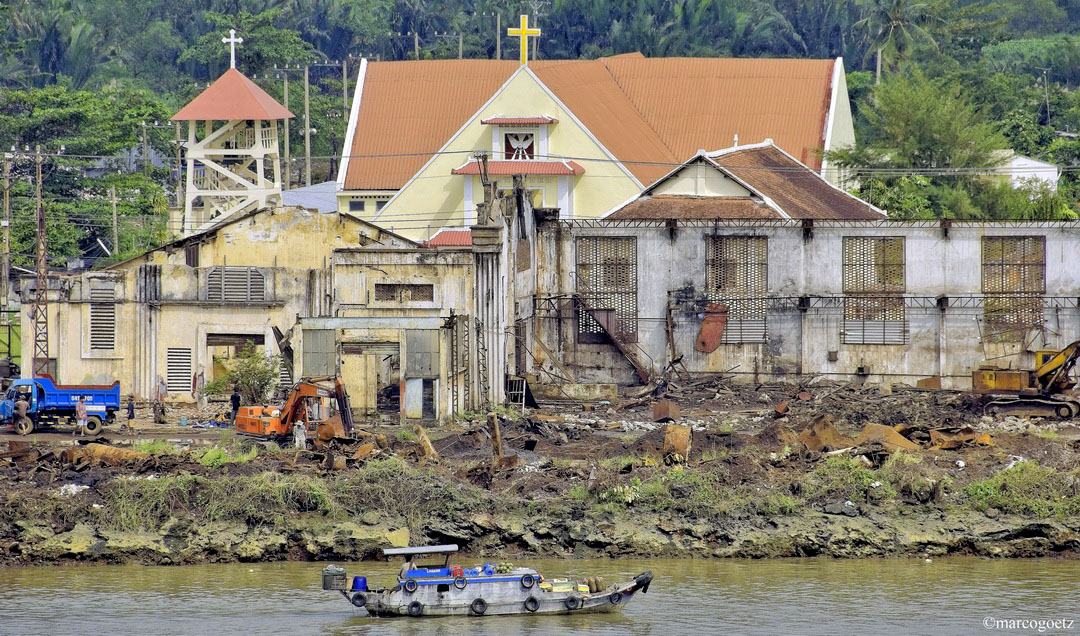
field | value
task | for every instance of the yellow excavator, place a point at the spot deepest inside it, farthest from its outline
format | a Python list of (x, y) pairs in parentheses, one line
[(1045, 390)]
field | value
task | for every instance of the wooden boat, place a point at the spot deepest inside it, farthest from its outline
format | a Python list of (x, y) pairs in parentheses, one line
[(486, 590)]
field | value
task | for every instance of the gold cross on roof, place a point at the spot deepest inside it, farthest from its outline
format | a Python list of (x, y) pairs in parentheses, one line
[(523, 34)]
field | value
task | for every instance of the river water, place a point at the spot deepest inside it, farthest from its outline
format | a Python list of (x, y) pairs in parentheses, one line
[(694, 597)]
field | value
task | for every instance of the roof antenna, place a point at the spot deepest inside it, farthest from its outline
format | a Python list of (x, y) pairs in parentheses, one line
[(736, 143)]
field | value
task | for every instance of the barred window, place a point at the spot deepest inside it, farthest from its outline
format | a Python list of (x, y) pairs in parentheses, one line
[(874, 281), (737, 275), (102, 319), (404, 292), (607, 287), (1013, 281)]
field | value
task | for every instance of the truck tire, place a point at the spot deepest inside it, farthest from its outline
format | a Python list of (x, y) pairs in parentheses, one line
[(24, 426), (93, 425)]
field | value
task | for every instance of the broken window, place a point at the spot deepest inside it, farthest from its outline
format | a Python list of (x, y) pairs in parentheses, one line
[(235, 284), (1013, 281), (191, 254), (874, 286), (102, 319), (404, 292), (737, 276), (607, 288)]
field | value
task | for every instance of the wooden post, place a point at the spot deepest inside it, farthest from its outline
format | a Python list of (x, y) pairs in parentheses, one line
[(426, 446), (496, 436)]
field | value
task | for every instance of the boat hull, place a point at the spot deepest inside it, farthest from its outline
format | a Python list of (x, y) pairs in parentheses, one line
[(486, 600)]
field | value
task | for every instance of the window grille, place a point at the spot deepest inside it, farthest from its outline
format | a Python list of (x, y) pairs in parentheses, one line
[(102, 319), (1013, 281), (404, 292), (178, 370), (607, 279), (737, 275), (874, 281), (235, 284)]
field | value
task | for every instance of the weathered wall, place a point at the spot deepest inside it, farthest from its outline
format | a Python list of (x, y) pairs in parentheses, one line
[(948, 343)]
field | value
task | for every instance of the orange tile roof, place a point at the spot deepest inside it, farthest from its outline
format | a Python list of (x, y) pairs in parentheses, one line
[(503, 168), (649, 113), (232, 96), (450, 238)]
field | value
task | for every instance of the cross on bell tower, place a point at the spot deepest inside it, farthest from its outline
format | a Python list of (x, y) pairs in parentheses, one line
[(232, 41), (523, 33)]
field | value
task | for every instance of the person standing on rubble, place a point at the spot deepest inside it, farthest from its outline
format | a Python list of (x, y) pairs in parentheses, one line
[(80, 417), (299, 432), (131, 415), (235, 400)]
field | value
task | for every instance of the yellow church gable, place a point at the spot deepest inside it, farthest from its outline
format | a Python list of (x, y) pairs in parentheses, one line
[(435, 197)]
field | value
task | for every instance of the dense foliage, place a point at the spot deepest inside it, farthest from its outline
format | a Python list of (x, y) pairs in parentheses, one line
[(937, 85)]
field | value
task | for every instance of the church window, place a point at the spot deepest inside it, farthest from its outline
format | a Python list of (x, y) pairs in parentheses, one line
[(519, 146)]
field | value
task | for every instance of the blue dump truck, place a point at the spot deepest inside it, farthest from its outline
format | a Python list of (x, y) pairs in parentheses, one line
[(50, 404)]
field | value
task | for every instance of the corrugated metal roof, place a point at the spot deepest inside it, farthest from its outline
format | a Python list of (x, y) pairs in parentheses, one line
[(800, 192), (664, 207), (649, 113), (520, 121), (232, 96), (450, 238), (505, 168)]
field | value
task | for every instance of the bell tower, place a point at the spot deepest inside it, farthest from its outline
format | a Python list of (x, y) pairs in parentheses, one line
[(233, 163)]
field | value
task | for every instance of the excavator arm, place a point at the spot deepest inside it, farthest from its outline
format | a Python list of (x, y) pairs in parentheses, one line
[(1053, 375)]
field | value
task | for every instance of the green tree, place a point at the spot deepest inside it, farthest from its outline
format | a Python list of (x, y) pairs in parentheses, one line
[(252, 372), (895, 27), (264, 44)]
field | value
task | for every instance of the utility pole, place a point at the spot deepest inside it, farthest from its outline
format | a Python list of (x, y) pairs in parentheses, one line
[(537, 9), (179, 169), (145, 150), (460, 41), (498, 32), (416, 44), (345, 88), (41, 293), (307, 125), (7, 229), (115, 234), (288, 163)]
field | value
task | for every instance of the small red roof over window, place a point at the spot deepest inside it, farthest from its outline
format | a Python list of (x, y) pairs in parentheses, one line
[(232, 96), (504, 168), (450, 238), (520, 121)]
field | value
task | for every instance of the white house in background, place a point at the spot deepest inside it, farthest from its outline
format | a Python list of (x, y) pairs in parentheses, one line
[(1024, 171)]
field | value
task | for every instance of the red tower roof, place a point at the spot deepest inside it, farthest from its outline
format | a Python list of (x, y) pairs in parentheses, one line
[(232, 96)]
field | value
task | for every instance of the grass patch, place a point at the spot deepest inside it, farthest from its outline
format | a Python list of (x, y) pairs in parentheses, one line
[(158, 447), (778, 504), (406, 436), (619, 462), (843, 478), (1048, 434), (905, 473), (218, 456), (266, 498), (130, 504), (1028, 489)]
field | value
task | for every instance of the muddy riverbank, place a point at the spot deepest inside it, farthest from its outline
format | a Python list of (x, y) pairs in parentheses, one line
[(579, 484)]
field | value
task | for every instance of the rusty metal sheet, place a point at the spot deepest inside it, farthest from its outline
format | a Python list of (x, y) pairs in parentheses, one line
[(676, 446), (951, 439), (665, 411), (822, 435), (886, 436), (712, 328)]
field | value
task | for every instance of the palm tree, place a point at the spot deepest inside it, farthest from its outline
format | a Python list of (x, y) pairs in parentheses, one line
[(895, 27)]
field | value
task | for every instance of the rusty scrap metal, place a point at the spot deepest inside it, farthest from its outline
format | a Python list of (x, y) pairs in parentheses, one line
[(665, 411), (888, 437), (951, 439), (676, 446), (711, 334), (823, 436)]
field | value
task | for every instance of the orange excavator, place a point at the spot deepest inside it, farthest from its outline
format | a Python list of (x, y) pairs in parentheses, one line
[(305, 403)]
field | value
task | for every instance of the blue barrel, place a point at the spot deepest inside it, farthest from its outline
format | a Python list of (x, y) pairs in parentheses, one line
[(359, 584)]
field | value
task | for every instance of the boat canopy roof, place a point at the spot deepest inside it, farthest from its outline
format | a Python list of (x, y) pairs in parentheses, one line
[(431, 549)]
